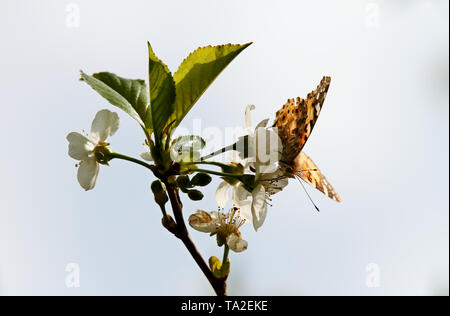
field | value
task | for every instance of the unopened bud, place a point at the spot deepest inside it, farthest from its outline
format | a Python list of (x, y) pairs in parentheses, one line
[(201, 179), (168, 222), (159, 191), (195, 195), (157, 186), (183, 181)]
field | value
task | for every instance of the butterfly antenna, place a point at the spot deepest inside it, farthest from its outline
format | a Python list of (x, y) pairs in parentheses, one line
[(306, 191)]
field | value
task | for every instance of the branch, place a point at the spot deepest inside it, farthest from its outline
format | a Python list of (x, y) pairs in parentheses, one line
[(219, 285), (179, 228)]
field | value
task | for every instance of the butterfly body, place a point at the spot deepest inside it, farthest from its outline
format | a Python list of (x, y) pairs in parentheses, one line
[(294, 123)]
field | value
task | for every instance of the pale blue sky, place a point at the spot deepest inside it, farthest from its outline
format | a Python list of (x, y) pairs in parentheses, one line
[(382, 140)]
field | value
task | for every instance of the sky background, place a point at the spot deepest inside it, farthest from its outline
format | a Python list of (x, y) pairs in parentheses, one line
[(382, 141)]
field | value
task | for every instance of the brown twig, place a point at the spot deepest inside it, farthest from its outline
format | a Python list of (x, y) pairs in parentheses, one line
[(219, 285)]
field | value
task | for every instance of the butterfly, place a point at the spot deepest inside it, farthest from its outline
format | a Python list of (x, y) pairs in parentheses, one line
[(294, 123)]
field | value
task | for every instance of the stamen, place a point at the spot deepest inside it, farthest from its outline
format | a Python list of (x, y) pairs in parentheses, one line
[(233, 211)]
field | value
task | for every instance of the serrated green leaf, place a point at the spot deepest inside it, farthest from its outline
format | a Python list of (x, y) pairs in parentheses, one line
[(130, 95), (197, 72), (162, 92)]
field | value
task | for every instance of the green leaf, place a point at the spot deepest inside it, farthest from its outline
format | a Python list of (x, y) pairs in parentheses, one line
[(130, 95), (162, 93), (220, 271), (197, 72), (183, 143)]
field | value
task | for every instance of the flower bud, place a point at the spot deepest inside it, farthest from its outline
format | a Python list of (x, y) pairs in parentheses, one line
[(195, 195), (201, 179), (168, 222), (183, 181), (157, 187), (159, 191)]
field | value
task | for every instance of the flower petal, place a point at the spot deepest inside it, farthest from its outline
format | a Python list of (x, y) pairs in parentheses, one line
[(79, 146), (236, 243), (242, 202), (248, 117), (240, 193), (146, 156), (105, 124), (262, 124), (273, 182), (268, 150), (223, 194), (88, 173), (259, 206), (202, 221), (245, 210)]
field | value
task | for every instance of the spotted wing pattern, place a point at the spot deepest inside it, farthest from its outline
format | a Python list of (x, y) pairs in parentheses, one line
[(296, 119), (294, 123)]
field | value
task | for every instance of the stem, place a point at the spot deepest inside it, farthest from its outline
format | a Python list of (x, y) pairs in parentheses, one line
[(213, 163), (225, 254), (219, 285), (163, 211), (124, 157), (221, 174)]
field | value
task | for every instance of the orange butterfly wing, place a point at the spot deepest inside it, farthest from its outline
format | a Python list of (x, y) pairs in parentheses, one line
[(295, 120), (294, 123), (308, 171)]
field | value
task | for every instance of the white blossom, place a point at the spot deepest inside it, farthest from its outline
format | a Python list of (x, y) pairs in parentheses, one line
[(81, 148), (224, 225)]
